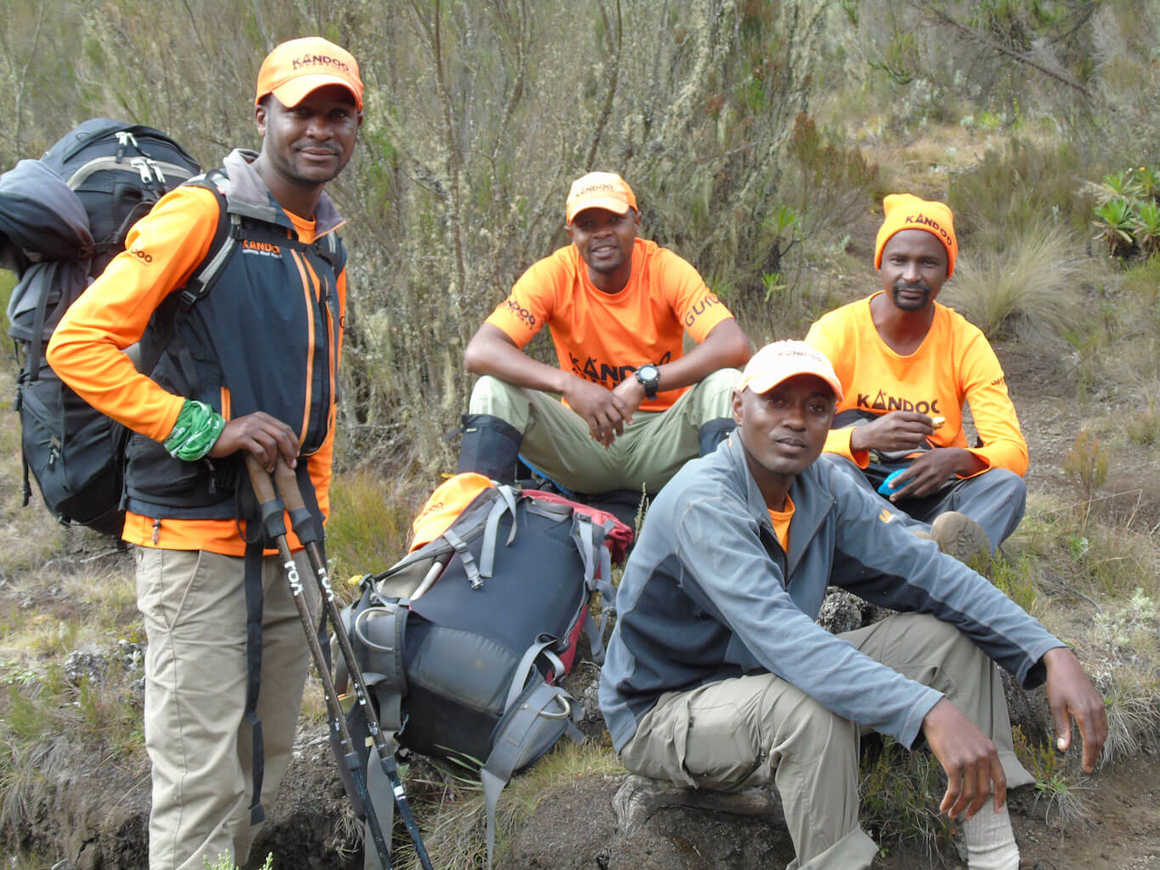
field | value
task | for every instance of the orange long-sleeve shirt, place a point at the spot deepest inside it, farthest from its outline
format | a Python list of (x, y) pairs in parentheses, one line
[(86, 351), (954, 364), (603, 337)]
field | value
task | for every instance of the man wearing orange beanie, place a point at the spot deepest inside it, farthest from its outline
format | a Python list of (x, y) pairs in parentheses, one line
[(907, 364)]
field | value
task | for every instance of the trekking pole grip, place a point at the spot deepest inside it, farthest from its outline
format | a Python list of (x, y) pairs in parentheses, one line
[(268, 503), (300, 517)]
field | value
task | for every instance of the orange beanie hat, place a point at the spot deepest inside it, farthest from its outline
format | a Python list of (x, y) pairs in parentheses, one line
[(902, 211)]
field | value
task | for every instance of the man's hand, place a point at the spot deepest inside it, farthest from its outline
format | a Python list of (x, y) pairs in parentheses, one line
[(932, 469), (1071, 694), (898, 430), (631, 394), (969, 758), (603, 410), (264, 436)]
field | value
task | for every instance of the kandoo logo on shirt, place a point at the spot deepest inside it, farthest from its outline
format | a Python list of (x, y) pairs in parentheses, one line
[(885, 403), (592, 369), (264, 249)]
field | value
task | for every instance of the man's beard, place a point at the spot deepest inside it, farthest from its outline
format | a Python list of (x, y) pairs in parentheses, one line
[(909, 304)]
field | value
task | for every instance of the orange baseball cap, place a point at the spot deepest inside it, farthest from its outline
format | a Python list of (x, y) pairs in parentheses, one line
[(300, 66), (605, 190), (903, 211), (781, 360)]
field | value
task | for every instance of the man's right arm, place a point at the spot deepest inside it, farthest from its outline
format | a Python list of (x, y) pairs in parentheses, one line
[(87, 347)]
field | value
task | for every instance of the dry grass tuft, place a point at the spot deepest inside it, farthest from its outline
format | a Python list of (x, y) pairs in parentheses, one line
[(1028, 289), (454, 821), (370, 521)]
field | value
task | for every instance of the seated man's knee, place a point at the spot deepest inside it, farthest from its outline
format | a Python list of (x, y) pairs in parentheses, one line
[(716, 390), (721, 380), (932, 640), (1011, 485), (495, 397)]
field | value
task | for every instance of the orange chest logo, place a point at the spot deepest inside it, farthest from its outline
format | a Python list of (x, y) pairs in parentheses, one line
[(266, 249)]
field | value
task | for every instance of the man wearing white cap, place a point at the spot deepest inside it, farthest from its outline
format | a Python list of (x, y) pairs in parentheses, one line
[(718, 677), (635, 406)]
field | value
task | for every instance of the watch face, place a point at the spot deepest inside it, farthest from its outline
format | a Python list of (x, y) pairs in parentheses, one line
[(649, 377)]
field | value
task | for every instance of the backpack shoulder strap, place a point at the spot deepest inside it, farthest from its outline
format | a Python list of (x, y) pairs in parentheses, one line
[(527, 730), (330, 249), (225, 240)]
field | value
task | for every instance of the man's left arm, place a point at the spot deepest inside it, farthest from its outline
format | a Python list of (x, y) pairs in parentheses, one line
[(721, 343), (985, 385)]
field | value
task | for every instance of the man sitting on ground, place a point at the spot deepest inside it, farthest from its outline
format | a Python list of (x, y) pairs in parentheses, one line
[(637, 407), (907, 364), (718, 677)]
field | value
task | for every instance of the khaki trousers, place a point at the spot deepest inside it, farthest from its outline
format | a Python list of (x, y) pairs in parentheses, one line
[(652, 448), (749, 730), (194, 609)]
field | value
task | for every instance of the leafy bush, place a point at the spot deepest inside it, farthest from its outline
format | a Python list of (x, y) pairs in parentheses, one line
[(1127, 221)]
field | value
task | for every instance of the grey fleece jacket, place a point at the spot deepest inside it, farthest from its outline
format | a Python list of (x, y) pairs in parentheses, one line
[(708, 593)]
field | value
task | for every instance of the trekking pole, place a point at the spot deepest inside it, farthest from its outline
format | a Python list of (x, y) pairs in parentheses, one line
[(275, 528), (309, 535)]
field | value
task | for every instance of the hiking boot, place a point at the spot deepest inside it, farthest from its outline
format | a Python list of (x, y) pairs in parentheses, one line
[(958, 535)]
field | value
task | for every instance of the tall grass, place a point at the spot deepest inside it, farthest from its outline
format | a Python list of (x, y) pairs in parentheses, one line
[(1030, 288)]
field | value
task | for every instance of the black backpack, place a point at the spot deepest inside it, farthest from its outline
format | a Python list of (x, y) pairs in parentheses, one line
[(463, 641), (62, 219)]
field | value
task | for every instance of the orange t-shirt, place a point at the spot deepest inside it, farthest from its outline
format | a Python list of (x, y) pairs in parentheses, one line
[(954, 364), (781, 520), (605, 337), (162, 251)]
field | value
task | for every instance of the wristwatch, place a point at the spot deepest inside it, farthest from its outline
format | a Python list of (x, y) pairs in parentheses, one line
[(649, 377)]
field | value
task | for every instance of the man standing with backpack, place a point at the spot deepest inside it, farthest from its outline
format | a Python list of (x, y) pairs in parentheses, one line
[(250, 367)]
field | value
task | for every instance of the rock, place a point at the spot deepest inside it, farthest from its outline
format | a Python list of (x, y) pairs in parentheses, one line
[(639, 798)]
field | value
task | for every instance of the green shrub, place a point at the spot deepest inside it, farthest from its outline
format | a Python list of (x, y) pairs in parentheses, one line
[(1016, 580), (901, 791), (1055, 786)]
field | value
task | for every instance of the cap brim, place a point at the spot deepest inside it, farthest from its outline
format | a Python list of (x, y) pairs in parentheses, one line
[(765, 381), (619, 206), (296, 90)]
